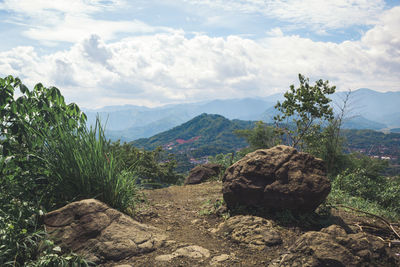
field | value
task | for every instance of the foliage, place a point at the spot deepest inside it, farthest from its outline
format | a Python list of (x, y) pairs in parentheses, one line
[(307, 106), (214, 132), (330, 144), (364, 184), (21, 118), (329, 147), (23, 240), (54, 259), (49, 157), (261, 136), (211, 207), (337, 197), (147, 166), (82, 166), (59, 159), (19, 235), (225, 160)]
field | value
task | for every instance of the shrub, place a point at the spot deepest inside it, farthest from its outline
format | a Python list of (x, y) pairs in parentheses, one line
[(152, 168), (364, 184), (48, 158)]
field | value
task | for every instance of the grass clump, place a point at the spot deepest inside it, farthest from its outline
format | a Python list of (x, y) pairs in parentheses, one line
[(83, 166)]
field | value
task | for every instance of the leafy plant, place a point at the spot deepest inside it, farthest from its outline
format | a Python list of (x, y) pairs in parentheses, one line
[(48, 158), (212, 207), (152, 168), (363, 185), (261, 136), (306, 107)]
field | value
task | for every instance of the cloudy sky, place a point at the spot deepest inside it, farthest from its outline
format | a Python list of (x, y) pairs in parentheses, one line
[(149, 52)]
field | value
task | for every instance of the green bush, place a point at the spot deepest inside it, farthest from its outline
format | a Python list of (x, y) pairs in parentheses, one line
[(226, 160), (152, 168), (364, 184), (260, 137), (49, 158)]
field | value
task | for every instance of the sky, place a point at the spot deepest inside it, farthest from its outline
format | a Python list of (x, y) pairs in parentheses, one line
[(152, 53)]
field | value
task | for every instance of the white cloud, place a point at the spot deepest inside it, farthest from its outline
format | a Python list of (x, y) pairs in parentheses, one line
[(317, 14), (74, 28), (51, 21), (169, 67), (41, 7), (275, 32)]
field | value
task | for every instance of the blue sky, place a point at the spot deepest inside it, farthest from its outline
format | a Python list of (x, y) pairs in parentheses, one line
[(174, 51)]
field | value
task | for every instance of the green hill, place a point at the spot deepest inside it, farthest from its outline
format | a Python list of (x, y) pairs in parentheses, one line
[(202, 136)]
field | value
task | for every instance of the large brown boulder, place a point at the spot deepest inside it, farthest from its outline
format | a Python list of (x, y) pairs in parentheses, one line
[(202, 173), (91, 228), (332, 246), (279, 178)]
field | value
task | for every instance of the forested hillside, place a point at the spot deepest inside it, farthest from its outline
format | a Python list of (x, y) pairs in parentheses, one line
[(209, 135), (192, 142), (204, 135)]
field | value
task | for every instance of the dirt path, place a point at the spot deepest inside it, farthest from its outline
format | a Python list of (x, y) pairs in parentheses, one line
[(187, 214)]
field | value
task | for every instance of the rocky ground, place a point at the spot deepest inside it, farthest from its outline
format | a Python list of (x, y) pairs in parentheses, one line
[(191, 226), (199, 233)]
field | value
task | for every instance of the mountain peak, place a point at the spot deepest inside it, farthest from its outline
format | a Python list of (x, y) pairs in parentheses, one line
[(200, 135)]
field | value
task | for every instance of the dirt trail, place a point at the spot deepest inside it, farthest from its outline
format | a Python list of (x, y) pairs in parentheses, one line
[(187, 214)]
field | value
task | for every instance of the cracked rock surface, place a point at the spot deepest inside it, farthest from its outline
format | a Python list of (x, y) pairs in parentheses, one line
[(91, 228), (252, 231), (332, 246), (279, 178)]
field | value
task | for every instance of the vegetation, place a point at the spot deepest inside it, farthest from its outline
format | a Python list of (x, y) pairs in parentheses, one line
[(202, 136), (149, 167), (28, 188), (49, 158), (213, 131), (363, 185), (357, 179), (261, 136), (307, 107)]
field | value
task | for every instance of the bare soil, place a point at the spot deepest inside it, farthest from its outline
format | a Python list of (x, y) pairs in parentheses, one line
[(188, 213)]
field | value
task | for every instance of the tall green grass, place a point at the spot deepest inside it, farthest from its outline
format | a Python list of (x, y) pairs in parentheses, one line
[(82, 165)]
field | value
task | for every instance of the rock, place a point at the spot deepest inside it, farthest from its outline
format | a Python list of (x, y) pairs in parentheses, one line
[(217, 260), (91, 228), (166, 257), (195, 221), (202, 173), (279, 178), (194, 252), (333, 247), (252, 231)]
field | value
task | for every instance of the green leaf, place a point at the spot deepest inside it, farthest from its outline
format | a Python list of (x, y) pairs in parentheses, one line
[(23, 89)]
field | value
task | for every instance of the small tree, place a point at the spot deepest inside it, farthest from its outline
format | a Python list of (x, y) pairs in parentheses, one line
[(307, 107)]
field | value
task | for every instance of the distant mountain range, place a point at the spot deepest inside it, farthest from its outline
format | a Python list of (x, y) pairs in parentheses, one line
[(368, 109)]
